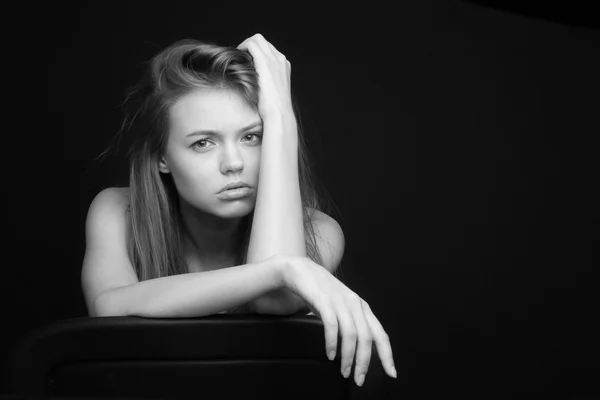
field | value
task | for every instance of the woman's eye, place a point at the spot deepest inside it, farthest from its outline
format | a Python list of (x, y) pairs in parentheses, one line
[(251, 135), (200, 143), (204, 143)]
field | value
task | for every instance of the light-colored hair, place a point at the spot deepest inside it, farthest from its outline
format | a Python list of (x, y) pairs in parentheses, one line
[(155, 238)]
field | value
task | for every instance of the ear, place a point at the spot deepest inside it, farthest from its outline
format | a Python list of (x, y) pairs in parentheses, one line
[(163, 167)]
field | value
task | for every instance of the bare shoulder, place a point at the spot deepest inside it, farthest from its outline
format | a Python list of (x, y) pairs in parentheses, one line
[(324, 221), (106, 263), (113, 196), (330, 238), (319, 215), (109, 200), (106, 218)]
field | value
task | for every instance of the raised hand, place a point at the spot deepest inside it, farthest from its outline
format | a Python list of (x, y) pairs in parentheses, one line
[(343, 311), (274, 76)]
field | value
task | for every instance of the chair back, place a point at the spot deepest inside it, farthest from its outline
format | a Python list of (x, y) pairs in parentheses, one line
[(224, 356)]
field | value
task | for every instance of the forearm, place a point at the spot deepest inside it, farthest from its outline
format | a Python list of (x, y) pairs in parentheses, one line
[(278, 226), (194, 294)]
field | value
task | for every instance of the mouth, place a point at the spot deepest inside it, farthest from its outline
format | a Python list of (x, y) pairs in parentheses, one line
[(237, 192), (234, 187)]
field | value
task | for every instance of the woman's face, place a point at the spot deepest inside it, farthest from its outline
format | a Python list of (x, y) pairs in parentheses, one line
[(214, 139)]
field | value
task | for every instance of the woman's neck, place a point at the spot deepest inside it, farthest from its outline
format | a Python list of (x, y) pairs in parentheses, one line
[(210, 237)]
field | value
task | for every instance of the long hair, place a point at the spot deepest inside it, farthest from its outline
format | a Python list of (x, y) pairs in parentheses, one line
[(155, 237)]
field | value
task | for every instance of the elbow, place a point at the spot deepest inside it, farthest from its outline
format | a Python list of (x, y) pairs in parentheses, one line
[(266, 305), (277, 304), (106, 305)]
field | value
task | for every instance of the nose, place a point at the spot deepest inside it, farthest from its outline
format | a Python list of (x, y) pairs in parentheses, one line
[(232, 160)]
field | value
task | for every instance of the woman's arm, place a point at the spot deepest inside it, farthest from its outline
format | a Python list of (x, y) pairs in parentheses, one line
[(111, 287), (192, 295), (277, 227)]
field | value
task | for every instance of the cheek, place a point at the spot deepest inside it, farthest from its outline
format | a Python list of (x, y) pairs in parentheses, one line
[(189, 175), (254, 161), (195, 187)]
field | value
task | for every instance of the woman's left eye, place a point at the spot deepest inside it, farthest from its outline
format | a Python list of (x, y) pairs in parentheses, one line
[(255, 135)]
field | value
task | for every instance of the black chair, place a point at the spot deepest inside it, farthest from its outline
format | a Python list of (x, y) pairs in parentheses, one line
[(222, 356)]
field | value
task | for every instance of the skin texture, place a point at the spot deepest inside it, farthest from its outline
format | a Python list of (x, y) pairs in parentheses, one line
[(202, 164), (200, 167), (278, 224)]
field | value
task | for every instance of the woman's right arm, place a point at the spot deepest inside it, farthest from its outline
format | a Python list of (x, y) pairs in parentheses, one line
[(111, 287), (192, 295)]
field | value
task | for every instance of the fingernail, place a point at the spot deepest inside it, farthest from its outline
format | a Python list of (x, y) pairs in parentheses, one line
[(361, 379), (347, 372), (394, 372), (331, 355)]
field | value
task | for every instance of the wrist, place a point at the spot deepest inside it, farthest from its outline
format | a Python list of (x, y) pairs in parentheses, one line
[(280, 265), (285, 270), (280, 133), (280, 119)]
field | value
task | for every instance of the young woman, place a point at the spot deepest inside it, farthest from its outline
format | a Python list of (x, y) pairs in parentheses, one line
[(195, 233)]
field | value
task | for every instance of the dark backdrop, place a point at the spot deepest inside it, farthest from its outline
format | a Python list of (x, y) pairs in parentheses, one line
[(458, 142)]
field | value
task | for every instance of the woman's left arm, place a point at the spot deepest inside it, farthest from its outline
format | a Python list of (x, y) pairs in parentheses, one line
[(278, 226)]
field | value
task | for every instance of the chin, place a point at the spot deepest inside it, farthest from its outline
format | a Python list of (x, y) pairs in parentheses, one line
[(233, 210)]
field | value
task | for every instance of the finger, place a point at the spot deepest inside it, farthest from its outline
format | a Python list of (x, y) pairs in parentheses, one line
[(280, 56), (382, 341), (349, 334), (265, 46), (268, 48), (254, 49), (330, 323), (365, 341), (244, 44), (248, 45)]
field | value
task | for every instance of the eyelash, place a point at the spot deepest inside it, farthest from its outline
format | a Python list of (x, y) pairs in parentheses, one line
[(195, 144)]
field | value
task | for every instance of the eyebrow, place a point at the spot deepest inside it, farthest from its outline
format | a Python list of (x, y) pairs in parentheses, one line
[(211, 132)]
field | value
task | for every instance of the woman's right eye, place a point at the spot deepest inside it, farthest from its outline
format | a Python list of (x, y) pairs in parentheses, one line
[(200, 144)]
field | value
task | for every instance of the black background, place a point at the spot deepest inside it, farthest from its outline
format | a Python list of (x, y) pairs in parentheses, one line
[(457, 140)]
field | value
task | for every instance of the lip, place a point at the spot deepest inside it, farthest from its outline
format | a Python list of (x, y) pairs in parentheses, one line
[(235, 194), (234, 185)]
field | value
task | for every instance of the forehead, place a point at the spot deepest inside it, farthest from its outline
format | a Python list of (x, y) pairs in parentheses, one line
[(214, 109)]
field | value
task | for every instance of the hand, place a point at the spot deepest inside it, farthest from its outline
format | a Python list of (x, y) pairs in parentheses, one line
[(337, 305), (274, 77)]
